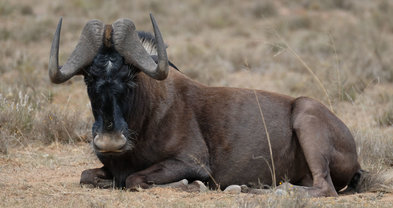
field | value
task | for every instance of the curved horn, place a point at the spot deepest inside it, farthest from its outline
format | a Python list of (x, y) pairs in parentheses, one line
[(127, 43), (85, 51)]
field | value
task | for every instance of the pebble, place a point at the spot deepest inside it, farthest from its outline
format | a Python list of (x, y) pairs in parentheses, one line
[(200, 186), (184, 182), (178, 184), (233, 189)]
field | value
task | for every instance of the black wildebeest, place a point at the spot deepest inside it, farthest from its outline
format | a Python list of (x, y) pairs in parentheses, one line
[(153, 125)]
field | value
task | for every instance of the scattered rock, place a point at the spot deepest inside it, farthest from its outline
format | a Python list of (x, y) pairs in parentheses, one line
[(183, 182), (197, 186), (180, 184), (245, 189), (233, 189)]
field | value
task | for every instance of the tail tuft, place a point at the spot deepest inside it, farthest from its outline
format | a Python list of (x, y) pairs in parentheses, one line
[(354, 184), (362, 181)]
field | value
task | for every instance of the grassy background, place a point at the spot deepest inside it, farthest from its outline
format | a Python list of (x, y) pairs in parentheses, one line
[(44, 128)]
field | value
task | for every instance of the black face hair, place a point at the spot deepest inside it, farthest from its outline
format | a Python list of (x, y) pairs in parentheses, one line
[(109, 83)]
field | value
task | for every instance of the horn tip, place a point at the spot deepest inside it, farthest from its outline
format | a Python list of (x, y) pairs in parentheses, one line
[(152, 17), (59, 23)]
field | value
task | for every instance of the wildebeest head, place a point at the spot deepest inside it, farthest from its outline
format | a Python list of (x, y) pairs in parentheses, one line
[(109, 57)]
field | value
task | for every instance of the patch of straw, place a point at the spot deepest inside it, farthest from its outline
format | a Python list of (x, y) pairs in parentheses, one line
[(292, 51)]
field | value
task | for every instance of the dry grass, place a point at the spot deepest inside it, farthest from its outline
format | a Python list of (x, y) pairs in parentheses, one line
[(44, 128), (47, 176)]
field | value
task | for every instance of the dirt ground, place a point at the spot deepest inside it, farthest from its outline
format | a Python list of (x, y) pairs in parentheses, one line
[(284, 46), (37, 176)]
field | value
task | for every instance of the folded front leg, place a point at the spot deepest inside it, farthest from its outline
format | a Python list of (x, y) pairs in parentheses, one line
[(168, 171)]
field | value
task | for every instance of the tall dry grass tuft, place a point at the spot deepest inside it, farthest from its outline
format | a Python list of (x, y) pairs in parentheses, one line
[(264, 9), (62, 126), (375, 149), (16, 113), (3, 142), (384, 118), (377, 181), (25, 116), (306, 66)]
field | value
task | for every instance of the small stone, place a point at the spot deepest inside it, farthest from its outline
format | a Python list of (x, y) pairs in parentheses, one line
[(199, 186), (233, 189), (179, 184), (184, 181), (245, 189)]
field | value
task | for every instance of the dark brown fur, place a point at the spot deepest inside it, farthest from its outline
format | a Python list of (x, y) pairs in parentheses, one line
[(188, 130), (158, 132)]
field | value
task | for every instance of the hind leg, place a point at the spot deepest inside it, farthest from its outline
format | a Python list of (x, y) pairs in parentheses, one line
[(313, 135)]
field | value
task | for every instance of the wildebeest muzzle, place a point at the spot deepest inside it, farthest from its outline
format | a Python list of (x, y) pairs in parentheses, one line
[(110, 142)]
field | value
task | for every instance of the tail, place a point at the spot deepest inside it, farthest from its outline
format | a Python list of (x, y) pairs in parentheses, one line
[(356, 181)]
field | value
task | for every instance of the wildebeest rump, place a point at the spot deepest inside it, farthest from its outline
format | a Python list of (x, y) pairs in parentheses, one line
[(154, 125)]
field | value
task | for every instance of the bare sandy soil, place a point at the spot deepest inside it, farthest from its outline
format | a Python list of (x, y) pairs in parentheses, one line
[(279, 46), (48, 176)]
